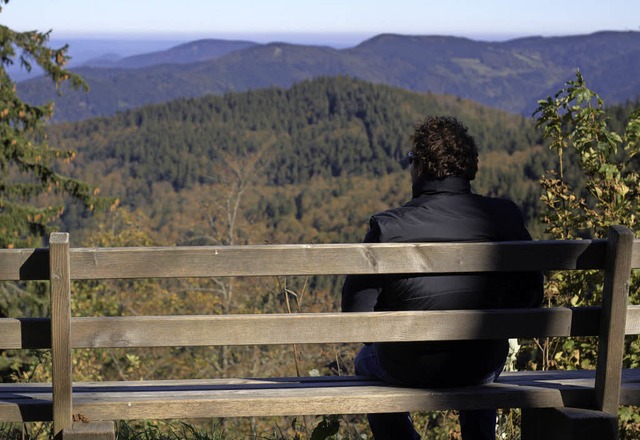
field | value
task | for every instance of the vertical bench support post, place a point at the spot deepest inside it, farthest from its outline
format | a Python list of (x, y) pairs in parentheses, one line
[(615, 298), (601, 422), (60, 277)]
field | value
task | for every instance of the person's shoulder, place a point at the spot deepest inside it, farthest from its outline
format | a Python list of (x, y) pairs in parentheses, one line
[(380, 222), (499, 203), (393, 215), (391, 225), (382, 219), (508, 217)]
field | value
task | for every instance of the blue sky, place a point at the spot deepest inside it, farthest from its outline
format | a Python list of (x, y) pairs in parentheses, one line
[(351, 19)]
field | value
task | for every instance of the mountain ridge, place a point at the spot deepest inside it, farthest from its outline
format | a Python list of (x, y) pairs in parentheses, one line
[(191, 52), (511, 75)]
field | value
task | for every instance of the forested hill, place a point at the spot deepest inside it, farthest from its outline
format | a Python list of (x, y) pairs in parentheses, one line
[(326, 127), (510, 75), (344, 132), (311, 163)]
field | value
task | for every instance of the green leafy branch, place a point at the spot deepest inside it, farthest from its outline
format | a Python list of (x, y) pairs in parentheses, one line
[(575, 119)]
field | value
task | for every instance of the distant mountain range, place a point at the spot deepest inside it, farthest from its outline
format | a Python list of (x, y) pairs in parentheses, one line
[(193, 52), (511, 75)]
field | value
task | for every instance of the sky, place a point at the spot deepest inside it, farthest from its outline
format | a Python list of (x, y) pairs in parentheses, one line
[(328, 21)]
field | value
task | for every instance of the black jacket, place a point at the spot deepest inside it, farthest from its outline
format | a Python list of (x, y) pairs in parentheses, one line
[(444, 211)]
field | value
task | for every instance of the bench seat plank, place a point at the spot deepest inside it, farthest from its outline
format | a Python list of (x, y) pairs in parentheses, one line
[(284, 400), (205, 398)]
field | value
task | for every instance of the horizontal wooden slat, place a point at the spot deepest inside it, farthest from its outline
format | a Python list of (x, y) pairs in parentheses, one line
[(25, 333), (327, 259), (199, 330), (27, 409), (635, 255), (309, 328), (205, 261), (32, 264), (24, 264), (632, 326)]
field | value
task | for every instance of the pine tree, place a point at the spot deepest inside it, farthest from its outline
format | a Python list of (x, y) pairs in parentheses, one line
[(27, 173)]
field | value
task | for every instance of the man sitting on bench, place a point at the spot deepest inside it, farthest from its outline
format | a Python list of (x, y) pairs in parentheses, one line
[(443, 161)]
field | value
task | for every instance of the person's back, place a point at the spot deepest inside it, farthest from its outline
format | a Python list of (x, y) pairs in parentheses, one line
[(443, 209)]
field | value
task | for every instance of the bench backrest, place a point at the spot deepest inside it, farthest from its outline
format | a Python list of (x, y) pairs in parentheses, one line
[(610, 322)]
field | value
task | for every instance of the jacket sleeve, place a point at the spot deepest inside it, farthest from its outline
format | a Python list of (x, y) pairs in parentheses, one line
[(360, 292)]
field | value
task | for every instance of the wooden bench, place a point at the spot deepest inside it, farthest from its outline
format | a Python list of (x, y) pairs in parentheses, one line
[(566, 401)]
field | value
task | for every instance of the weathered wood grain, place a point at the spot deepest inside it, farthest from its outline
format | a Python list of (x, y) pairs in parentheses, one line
[(300, 400), (328, 259), (32, 264), (24, 264), (61, 331), (25, 333), (93, 332), (309, 328), (288, 396), (90, 431), (615, 297), (26, 409), (306, 395), (310, 401), (635, 256), (632, 326)]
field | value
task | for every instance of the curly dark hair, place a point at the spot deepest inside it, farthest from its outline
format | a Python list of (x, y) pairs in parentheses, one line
[(444, 148)]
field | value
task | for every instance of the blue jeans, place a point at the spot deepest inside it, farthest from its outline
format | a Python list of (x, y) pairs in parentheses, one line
[(474, 424)]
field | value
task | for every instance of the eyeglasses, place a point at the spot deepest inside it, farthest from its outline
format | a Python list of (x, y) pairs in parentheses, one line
[(412, 157)]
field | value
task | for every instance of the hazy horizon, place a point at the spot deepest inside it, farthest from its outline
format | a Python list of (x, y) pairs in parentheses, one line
[(88, 46), (354, 20), (133, 44)]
